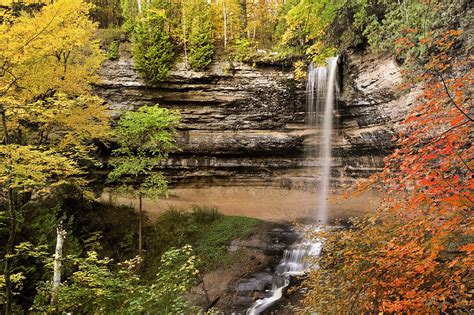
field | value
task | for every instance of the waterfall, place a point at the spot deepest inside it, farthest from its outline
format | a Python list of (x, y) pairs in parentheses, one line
[(294, 263), (322, 91)]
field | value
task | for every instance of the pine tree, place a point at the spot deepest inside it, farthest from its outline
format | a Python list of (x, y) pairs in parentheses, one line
[(201, 46), (152, 48)]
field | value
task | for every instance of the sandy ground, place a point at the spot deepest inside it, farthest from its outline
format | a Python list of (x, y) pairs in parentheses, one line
[(271, 204)]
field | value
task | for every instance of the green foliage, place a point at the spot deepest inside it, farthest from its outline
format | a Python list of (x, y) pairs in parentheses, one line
[(129, 11), (305, 23), (107, 13), (95, 288), (244, 50), (212, 248), (109, 230), (26, 169), (407, 30), (152, 48), (203, 215), (113, 51), (206, 229), (320, 28), (201, 46), (144, 139), (108, 35)]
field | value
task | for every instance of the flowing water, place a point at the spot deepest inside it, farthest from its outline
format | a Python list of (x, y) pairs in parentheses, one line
[(321, 89), (321, 98), (292, 264)]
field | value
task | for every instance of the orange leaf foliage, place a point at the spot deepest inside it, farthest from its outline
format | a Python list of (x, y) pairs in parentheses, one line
[(429, 178)]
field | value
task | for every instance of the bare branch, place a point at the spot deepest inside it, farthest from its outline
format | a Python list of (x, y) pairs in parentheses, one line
[(451, 98)]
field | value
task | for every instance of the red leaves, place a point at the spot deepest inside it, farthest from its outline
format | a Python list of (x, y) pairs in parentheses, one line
[(469, 248), (431, 174), (456, 121)]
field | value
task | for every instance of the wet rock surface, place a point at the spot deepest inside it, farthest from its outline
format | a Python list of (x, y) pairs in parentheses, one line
[(244, 125), (243, 292), (235, 287)]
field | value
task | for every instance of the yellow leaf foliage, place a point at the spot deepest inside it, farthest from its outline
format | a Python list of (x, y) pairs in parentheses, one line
[(26, 168), (67, 123), (53, 50)]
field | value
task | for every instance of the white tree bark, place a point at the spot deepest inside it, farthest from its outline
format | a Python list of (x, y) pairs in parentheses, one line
[(139, 5), (140, 224), (58, 256), (185, 39), (224, 12)]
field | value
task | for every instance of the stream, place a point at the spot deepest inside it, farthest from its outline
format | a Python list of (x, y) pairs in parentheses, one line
[(295, 262), (322, 90)]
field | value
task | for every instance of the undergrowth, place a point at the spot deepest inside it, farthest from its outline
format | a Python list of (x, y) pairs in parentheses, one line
[(207, 230)]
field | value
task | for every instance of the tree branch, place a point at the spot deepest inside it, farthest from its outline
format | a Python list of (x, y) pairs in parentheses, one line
[(451, 98)]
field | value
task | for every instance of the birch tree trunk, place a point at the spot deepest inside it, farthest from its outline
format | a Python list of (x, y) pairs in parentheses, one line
[(140, 224), (224, 12), (58, 257), (139, 5), (185, 45), (8, 260)]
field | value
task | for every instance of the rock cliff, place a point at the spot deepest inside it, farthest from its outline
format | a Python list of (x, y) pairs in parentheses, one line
[(244, 125)]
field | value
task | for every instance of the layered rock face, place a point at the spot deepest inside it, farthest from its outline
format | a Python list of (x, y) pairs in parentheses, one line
[(246, 126)]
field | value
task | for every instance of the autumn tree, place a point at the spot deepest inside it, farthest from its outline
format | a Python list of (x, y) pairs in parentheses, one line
[(144, 139), (415, 254), (107, 13), (226, 18), (48, 59)]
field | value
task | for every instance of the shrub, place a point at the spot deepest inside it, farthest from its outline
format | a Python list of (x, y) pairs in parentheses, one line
[(244, 50), (109, 35), (113, 51), (96, 288), (204, 215)]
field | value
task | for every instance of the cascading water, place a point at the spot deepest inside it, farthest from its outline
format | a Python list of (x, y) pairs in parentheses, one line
[(321, 91), (292, 264)]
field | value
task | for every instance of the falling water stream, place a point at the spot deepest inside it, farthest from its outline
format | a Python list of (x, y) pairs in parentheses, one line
[(327, 95), (321, 89)]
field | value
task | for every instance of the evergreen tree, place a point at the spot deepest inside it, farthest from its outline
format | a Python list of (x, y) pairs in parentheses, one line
[(201, 46), (152, 48)]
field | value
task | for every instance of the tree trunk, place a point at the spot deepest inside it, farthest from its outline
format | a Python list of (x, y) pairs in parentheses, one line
[(4, 125), (11, 231), (183, 16), (58, 256), (224, 12), (8, 254), (139, 5), (140, 224), (243, 12)]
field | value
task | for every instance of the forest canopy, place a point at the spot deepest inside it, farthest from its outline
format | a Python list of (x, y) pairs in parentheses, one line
[(309, 30)]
